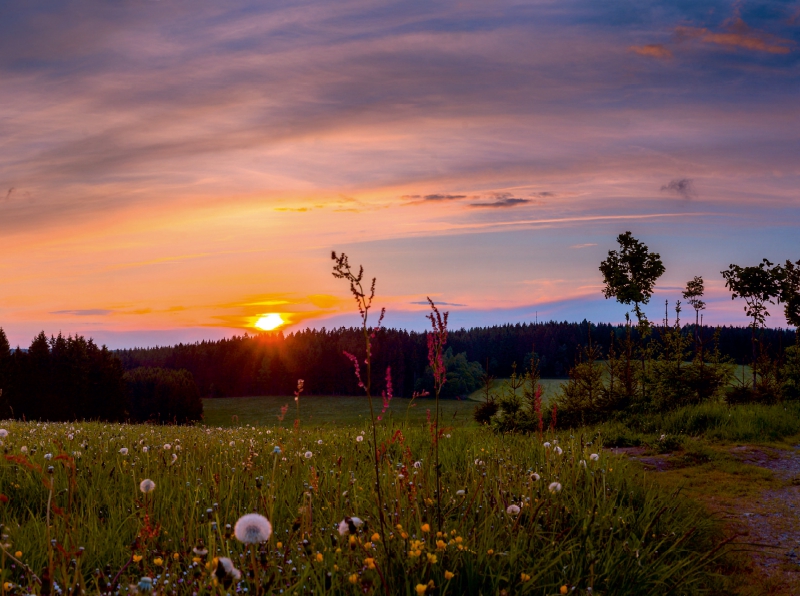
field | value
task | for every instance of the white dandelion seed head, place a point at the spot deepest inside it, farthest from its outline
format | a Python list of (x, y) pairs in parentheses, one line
[(308, 455), (582, 463), (558, 451), (23, 449), (359, 438), (144, 449), (3, 433), (418, 464), (174, 457), (228, 567), (123, 451), (232, 443), (461, 493), (48, 455), (555, 487), (69, 436), (512, 509), (344, 527), (547, 445), (594, 457), (252, 529), (319, 442), (535, 477), (147, 486), (167, 446)]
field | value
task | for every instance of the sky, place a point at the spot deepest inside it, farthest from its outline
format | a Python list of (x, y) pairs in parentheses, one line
[(172, 170)]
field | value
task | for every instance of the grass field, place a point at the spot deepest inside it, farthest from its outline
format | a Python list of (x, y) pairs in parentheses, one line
[(518, 516), (331, 411)]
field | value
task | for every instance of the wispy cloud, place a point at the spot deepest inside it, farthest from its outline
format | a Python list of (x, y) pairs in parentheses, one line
[(681, 186), (87, 312), (438, 303), (737, 34), (652, 50)]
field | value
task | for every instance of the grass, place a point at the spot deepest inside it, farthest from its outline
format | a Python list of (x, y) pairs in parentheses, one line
[(551, 388), (608, 528), (329, 411)]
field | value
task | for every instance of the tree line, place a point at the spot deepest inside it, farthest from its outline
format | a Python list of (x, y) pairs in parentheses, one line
[(270, 364), (71, 378)]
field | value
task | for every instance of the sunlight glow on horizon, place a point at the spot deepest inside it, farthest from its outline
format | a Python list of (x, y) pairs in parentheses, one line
[(270, 322)]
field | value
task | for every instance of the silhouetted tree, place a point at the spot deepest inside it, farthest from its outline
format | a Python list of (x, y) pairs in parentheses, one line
[(163, 395)]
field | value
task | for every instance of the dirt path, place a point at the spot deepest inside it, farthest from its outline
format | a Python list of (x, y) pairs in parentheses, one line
[(771, 519)]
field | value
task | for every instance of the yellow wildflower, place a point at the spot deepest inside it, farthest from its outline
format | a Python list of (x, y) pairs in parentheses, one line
[(18, 554), (353, 579), (319, 557), (459, 539), (432, 559), (338, 551), (564, 589), (176, 556), (376, 537), (279, 545), (336, 568), (449, 575), (399, 527), (196, 559), (524, 577), (158, 561), (404, 535), (369, 562), (490, 551), (420, 589), (137, 558), (426, 528), (441, 545)]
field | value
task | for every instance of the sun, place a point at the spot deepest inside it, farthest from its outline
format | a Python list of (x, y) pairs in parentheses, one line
[(269, 322)]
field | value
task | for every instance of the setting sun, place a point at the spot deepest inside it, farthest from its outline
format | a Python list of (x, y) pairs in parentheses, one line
[(270, 322)]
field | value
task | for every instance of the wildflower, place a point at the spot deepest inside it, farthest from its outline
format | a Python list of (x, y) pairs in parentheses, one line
[(432, 558), (359, 438), (18, 554), (176, 556), (512, 509), (490, 551), (232, 444), (226, 571), (564, 589), (174, 457), (319, 558), (145, 449), (145, 584), (252, 529), (167, 446), (200, 551), (418, 464), (461, 493), (147, 486), (3, 433), (547, 445), (555, 487), (535, 477), (48, 455), (309, 455), (420, 589), (441, 545), (558, 451), (70, 437), (353, 579), (426, 528), (123, 451), (376, 537), (350, 525), (524, 577), (594, 457), (449, 575), (158, 561), (276, 449), (23, 449), (369, 562), (137, 558)]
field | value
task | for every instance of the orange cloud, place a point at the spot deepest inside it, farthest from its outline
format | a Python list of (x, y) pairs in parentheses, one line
[(652, 50), (738, 35)]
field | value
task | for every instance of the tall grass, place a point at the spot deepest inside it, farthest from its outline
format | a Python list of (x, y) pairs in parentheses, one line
[(606, 529)]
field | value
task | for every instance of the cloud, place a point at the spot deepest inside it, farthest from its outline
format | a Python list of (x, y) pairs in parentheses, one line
[(652, 50), (587, 245), (426, 303), (737, 34), (505, 202), (433, 198), (681, 186), (88, 312)]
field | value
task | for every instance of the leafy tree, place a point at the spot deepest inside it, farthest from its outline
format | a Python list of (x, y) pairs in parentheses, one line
[(693, 294), (790, 293), (630, 274), (759, 285)]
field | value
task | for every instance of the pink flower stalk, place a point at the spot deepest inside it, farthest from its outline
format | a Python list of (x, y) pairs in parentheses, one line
[(387, 393), (284, 409), (537, 407), (357, 367)]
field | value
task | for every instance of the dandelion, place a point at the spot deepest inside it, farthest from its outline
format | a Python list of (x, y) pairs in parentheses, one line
[(558, 451), (232, 444), (70, 437), (23, 449), (350, 525), (555, 487), (226, 570), (48, 455), (547, 445), (418, 464), (582, 463), (359, 438), (535, 477), (174, 457), (3, 433), (513, 510), (309, 455), (252, 529), (123, 451), (167, 446), (147, 486), (461, 493), (319, 442), (145, 449)]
